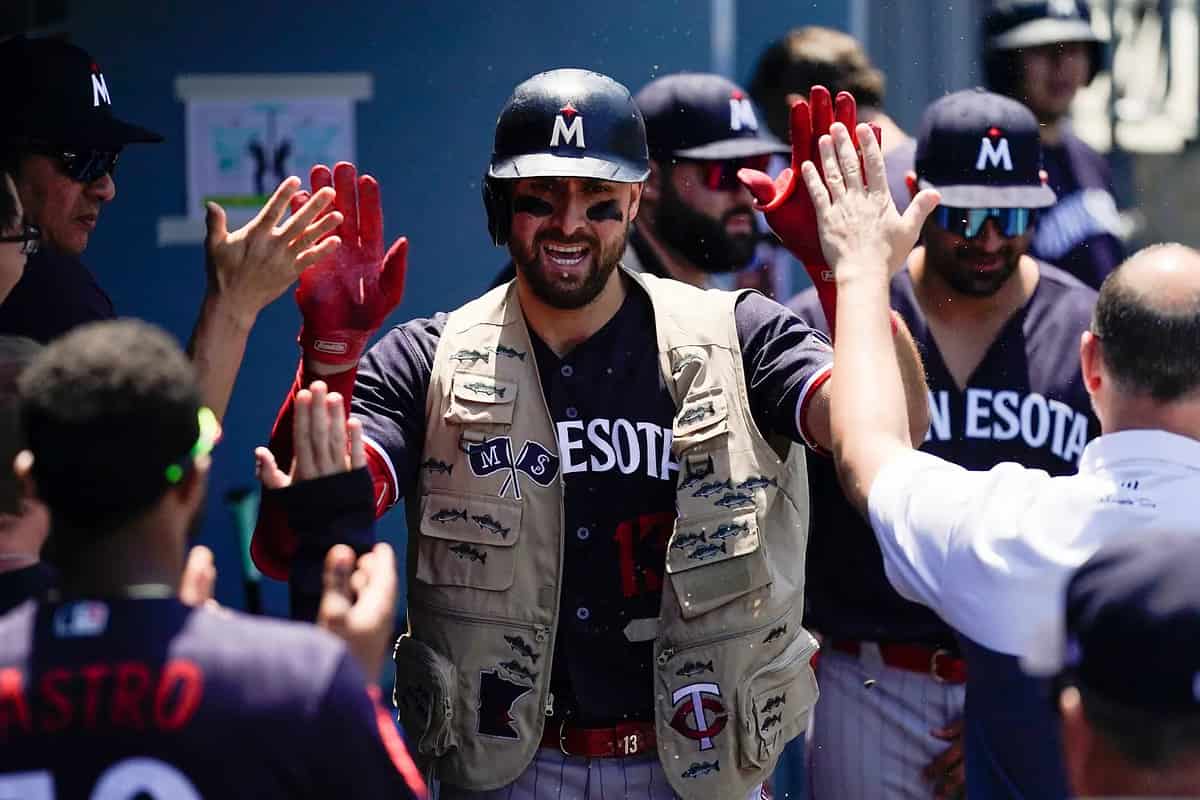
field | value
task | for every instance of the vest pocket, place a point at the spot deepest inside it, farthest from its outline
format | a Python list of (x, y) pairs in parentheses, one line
[(715, 559), (701, 417), (424, 697), (775, 704), (468, 540), (476, 399)]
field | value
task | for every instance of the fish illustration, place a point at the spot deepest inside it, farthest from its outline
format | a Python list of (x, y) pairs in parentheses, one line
[(694, 476), (699, 768), (706, 551), (728, 529), (449, 515), (694, 668), (771, 722), (735, 500), (761, 482), (485, 389), (516, 668), (775, 634), (470, 356), (464, 550), (696, 414), (709, 489), (774, 703), (521, 647), (508, 352), (684, 540), (485, 522), (433, 465)]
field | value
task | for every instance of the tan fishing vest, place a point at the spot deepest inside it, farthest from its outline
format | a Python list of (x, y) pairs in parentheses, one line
[(732, 682)]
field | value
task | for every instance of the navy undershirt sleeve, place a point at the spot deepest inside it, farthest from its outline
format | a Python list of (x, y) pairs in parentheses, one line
[(780, 353)]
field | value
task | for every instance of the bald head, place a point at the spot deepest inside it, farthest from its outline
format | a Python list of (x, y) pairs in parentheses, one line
[(1148, 321)]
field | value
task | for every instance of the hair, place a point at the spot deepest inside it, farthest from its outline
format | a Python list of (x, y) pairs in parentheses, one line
[(1150, 350), (1146, 739), (106, 409), (9, 218), (806, 57), (16, 353)]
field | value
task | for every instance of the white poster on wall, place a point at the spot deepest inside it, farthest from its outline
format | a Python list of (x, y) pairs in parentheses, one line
[(246, 133)]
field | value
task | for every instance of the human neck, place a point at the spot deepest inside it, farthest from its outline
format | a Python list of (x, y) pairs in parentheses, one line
[(1128, 411), (675, 264), (1118, 780), (941, 301), (565, 329), (123, 562)]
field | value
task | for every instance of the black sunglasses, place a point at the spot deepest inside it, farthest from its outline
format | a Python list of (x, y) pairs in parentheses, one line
[(83, 166), (29, 238)]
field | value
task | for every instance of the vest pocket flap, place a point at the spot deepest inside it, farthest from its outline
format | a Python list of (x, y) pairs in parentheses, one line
[(774, 705), (710, 540), (701, 417), (481, 398), (424, 696), (471, 519)]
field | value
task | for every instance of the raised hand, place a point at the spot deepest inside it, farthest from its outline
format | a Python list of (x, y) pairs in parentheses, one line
[(348, 294), (252, 266), (358, 604), (861, 233), (325, 442)]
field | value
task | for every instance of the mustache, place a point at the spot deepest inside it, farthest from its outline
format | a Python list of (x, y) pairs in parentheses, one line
[(738, 211), (559, 237)]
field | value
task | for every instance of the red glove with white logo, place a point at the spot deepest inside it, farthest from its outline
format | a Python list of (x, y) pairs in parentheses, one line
[(346, 296), (785, 201)]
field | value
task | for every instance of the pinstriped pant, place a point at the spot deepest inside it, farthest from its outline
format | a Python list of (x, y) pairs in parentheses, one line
[(553, 776), (872, 743)]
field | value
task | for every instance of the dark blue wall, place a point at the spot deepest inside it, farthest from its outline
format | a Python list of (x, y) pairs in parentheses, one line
[(441, 72)]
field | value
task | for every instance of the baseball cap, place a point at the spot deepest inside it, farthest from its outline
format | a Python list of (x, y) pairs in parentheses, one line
[(981, 150), (55, 92), (1013, 24), (1138, 597), (702, 116)]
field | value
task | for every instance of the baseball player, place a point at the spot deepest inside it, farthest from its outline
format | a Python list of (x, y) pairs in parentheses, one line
[(997, 331), (592, 465), (992, 550), (116, 689)]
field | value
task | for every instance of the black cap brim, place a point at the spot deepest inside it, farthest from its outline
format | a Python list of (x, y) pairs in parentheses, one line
[(548, 165), (984, 196), (113, 134), (742, 147), (1045, 31)]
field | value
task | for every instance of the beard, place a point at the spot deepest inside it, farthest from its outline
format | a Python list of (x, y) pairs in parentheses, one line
[(955, 269), (702, 240), (559, 289)]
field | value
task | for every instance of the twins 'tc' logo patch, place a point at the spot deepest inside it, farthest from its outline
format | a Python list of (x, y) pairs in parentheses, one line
[(535, 461), (701, 708)]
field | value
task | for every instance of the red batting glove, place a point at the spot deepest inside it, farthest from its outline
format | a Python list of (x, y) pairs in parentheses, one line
[(785, 201), (345, 297)]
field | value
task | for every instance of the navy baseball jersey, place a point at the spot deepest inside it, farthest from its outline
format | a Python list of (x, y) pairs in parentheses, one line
[(148, 698), (1079, 233), (613, 416), (1025, 402), (55, 294)]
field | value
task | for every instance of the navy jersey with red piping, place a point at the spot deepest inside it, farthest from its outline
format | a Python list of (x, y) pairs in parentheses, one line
[(613, 415), (150, 698), (1025, 402)]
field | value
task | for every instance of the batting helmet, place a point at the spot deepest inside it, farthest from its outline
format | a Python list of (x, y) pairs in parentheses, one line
[(1014, 25), (565, 123)]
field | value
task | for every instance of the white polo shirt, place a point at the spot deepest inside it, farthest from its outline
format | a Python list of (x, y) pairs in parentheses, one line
[(991, 552)]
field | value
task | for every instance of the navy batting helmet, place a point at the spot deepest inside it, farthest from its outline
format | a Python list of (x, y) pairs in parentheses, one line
[(1013, 25), (565, 123)]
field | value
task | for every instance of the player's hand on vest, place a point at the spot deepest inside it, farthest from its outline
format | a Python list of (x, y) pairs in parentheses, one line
[(324, 441), (252, 266), (358, 603), (348, 294), (948, 772), (862, 234)]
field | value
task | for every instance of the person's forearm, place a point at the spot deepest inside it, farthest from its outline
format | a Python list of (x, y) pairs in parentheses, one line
[(912, 375), (217, 347), (868, 410)]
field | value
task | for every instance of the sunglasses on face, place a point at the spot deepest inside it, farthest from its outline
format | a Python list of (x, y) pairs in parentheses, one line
[(968, 222), (721, 176), (29, 238), (83, 166)]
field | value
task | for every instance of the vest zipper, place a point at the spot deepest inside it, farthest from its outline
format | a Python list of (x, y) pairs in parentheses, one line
[(550, 704), (667, 653), (539, 631)]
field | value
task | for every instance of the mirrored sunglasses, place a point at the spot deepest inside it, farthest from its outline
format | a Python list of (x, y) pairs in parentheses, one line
[(968, 222), (721, 176)]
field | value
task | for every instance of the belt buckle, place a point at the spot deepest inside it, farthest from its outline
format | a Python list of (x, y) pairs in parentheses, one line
[(941, 652)]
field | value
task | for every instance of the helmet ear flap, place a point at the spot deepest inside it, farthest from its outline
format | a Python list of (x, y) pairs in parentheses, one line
[(496, 201)]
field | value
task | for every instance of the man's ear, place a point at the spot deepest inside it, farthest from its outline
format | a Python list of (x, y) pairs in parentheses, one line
[(1089, 361), (23, 469), (192, 488), (635, 199)]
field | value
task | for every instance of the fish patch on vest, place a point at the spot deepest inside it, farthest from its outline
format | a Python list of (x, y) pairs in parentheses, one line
[(535, 461)]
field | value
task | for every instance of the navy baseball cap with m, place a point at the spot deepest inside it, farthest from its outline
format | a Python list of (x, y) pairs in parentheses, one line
[(54, 92), (982, 150)]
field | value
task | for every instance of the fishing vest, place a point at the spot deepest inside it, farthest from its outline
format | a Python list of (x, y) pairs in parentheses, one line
[(732, 678)]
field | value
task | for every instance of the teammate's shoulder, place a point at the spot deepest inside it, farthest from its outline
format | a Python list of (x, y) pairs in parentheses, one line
[(1064, 285)]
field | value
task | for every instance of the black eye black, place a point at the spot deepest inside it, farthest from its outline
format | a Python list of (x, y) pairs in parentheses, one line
[(527, 204)]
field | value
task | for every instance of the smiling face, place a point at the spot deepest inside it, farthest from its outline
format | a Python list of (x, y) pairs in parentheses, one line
[(65, 210), (976, 267), (568, 235)]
